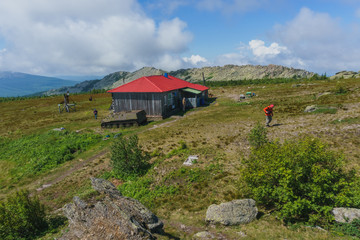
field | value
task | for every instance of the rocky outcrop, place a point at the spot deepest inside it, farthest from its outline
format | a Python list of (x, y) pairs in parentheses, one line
[(235, 72), (236, 212), (346, 75), (345, 215), (108, 82), (145, 71), (224, 73), (113, 217)]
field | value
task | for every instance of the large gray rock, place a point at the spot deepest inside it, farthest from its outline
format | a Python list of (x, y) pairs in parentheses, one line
[(345, 75), (204, 235), (345, 215), (311, 108), (236, 212), (113, 217)]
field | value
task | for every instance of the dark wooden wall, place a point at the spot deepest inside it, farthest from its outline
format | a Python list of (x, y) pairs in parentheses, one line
[(154, 104), (150, 102)]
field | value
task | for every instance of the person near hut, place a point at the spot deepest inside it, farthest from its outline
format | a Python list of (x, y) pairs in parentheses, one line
[(183, 104), (269, 113), (95, 113)]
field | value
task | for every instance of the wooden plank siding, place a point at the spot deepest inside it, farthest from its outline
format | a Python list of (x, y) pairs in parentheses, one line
[(150, 102), (162, 104)]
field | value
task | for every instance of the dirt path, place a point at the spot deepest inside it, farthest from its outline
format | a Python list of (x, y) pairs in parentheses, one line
[(71, 170), (81, 164)]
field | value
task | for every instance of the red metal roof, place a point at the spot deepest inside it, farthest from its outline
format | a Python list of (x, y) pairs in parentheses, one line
[(157, 83)]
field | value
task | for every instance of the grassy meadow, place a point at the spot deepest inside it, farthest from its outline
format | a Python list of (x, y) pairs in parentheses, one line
[(56, 166)]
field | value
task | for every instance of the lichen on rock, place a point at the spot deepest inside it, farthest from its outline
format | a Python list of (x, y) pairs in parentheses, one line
[(113, 217)]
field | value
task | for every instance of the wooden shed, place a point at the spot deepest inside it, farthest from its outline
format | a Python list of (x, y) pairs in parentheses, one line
[(159, 96)]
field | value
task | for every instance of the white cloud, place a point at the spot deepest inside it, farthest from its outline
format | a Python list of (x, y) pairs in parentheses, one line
[(313, 41), (232, 58), (86, 37), (169, 62), (320, 42), (260, 50), (195, 59)]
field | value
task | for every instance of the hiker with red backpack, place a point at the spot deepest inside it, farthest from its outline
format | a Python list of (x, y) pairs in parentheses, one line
[(269, 113)]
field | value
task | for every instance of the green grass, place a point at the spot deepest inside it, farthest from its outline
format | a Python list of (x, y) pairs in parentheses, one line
[(218, 134), (32, 155), (325, 110), (354, 120)]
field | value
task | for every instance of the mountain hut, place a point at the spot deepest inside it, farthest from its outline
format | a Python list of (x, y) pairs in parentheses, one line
[(158, 95)]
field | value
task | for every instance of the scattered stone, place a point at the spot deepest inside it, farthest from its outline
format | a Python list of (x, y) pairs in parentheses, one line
[(320, 228), (240, 211), (191, 160), (204, 235), (241, 234), (43, 187), (59, 129), (311, 108), (113, 217), (346, 215), (324, 94)]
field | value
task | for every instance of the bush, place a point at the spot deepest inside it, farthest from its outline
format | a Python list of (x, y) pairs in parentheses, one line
[(340, 89), (127, 158), (352, 229), (302, 179), (21, 217), (257, 136)]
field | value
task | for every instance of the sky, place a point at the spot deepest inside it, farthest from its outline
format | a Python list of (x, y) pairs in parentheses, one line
[(98, 37)]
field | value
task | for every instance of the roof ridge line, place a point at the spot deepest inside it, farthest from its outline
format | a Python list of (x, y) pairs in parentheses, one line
[(153, 83)]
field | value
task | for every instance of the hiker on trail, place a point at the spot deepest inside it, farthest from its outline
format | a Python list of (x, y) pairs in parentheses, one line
[(269, 113), (183, 104), (95, 113)]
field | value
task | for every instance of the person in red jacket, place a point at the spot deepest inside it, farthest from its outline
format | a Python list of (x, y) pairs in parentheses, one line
[(269, 113)]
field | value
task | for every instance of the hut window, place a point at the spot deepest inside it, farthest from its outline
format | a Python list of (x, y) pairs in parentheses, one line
[(169, 99)]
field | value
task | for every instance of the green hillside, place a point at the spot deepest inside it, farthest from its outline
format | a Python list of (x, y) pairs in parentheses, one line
[(55, 166)]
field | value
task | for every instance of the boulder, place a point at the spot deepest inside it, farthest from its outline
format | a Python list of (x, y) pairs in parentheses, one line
[(311, 108), (113, 217), (240, 211), (204, 235), (345, 215)]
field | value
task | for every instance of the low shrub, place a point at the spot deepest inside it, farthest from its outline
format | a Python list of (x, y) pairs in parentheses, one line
[(351, 229), (127, 158), (258, 136), (340, 89), (303, 180), (22, 217)]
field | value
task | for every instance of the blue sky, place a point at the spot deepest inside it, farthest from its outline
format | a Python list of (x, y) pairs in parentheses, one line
[(97, 37)]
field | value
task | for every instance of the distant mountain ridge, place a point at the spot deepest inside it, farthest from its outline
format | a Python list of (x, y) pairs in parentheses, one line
[(13, 84), (225, 73)]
